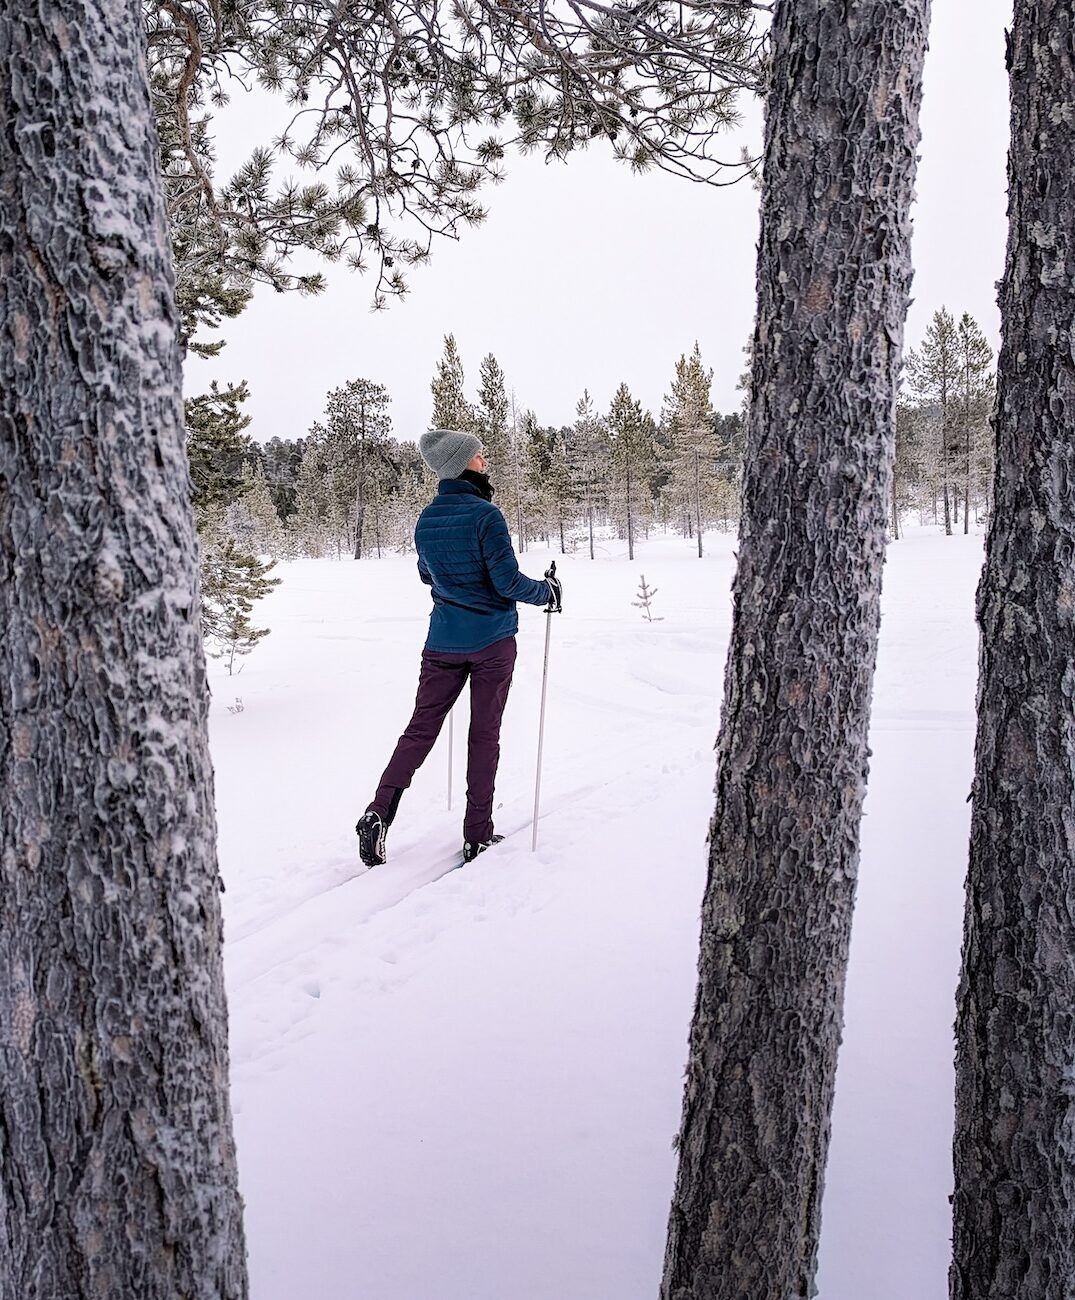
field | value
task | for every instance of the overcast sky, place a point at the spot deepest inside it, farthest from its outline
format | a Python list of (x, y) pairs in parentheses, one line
[(585, 275)]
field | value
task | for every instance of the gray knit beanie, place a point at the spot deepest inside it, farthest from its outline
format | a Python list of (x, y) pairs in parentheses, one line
[(446, 451)]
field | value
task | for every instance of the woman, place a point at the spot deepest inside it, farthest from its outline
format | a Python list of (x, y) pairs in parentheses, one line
[(465, 555)]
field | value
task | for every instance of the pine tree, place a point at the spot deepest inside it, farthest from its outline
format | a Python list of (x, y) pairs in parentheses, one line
[(346, 473), (356, 437), (216, 446), (974, 357), (517, 454), (654, 470), (632, 459), (352, 470), (728, 435), (466, 86), (688, 419), (933, 373), (908, 460), (229, 528), (590, 457), (414, 487), (493, 418), (252, 519), (537, 459), (118, 1173), (321, 521), (645, 601), (451, 410), (561, 485), (232, 580), (841, 134), (281, 458), (1013, 1206)]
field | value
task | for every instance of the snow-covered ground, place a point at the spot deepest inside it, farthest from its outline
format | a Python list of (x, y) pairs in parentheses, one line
[(466, 1086)]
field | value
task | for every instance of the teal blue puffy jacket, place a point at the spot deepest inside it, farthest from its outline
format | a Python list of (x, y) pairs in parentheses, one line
[(465, 555)]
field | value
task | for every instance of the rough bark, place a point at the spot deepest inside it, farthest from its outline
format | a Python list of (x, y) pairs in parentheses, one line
[(833, 281), (1014, 1203), (117, 1167)]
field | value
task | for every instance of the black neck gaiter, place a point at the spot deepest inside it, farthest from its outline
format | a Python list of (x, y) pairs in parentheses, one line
[(480, 481)]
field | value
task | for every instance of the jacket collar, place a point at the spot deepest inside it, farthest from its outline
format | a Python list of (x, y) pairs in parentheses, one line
[(448, 486)]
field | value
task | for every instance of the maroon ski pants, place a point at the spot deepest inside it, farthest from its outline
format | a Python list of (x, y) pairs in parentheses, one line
[(442, 678)]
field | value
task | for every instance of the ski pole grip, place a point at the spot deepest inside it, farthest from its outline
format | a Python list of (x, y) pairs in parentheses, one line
[(554, 606)]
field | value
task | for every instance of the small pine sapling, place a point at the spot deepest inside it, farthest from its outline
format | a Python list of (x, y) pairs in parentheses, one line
[(231, 583), (239, 636), (645, 597)]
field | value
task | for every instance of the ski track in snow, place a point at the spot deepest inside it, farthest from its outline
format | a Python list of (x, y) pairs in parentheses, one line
[(463, 1084)]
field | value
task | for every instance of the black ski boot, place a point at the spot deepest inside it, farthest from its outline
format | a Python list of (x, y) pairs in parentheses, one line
[(471, 851), (371, 831)]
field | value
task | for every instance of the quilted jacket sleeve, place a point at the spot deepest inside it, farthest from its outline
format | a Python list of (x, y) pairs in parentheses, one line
[(503, 567), (423, 572)]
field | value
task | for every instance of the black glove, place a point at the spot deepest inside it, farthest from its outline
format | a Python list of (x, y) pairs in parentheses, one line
[(555, 605)]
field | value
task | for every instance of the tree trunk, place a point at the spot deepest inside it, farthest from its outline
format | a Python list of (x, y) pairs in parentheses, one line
[(833, 280), (360, 522), (1014, 1203), (360, 486), (118, 1173), (698, 503), (966, 479), (376, 510), (630, 518), (590, 513), (944, 466)]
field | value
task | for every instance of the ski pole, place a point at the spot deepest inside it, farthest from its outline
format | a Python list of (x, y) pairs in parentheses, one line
[(451, 738), (553, 607)]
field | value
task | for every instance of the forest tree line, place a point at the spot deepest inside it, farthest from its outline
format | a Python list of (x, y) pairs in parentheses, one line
[(350, 487)]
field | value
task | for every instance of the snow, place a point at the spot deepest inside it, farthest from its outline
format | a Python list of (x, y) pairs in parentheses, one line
[(465, 1086)]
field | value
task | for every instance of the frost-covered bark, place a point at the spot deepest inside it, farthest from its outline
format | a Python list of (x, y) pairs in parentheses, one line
[(1014, 1204), (117, 1168), (833, 280)]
